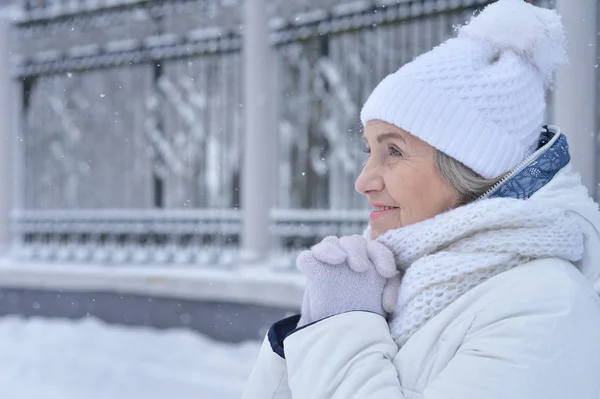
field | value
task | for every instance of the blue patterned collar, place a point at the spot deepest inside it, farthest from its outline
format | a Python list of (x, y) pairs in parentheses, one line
[(554, 155)]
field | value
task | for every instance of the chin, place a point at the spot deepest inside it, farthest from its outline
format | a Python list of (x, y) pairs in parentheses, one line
[(377, 232)]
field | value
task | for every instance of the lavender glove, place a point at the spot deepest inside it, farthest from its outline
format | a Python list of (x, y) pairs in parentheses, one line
[(347, 274)]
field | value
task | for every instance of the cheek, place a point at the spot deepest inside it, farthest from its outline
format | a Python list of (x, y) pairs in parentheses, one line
[(420, 194), (407, 185), (435, 195)]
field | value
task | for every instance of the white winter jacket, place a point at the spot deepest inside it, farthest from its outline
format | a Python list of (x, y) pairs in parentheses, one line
[(532, 332)]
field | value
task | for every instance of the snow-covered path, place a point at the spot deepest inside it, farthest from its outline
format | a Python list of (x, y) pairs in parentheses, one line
[(88, 359)]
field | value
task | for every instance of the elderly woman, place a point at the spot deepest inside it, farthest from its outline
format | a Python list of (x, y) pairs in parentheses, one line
[(478, 275)]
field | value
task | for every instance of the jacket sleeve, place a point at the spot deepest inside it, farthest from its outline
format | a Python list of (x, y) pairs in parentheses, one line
[(343, 357), (269, 375)]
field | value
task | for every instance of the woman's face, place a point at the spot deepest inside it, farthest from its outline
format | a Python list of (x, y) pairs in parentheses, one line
[(400, 179)]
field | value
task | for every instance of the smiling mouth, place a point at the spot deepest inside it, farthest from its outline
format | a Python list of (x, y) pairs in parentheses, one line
[(380, 211), (383, 208)]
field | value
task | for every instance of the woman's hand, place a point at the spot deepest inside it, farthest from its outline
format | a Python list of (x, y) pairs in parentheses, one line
[(347, 274)]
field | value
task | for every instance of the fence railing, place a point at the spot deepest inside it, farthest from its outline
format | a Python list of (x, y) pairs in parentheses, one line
[(132, 119), (150, 237)]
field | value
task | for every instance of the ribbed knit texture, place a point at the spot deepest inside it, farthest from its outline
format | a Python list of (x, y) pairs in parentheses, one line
[(480, 97), (448, 255)]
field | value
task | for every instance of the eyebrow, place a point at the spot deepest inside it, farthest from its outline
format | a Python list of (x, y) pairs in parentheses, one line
[(388, 135)]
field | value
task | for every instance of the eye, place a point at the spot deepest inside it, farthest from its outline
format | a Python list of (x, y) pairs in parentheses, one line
[(395, 152), (365, 148)]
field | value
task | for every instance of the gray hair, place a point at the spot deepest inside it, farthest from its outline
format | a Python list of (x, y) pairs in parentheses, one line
[(467, 184)]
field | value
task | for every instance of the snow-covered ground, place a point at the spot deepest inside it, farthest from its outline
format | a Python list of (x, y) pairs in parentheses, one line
[(88, 359)]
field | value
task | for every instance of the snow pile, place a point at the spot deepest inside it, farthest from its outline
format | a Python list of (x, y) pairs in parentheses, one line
[(65, 359)]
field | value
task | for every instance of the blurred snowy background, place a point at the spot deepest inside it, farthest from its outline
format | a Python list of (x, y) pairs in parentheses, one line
[(163, 161), (87, 359)]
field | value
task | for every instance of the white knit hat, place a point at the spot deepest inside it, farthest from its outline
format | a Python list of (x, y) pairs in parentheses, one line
[(479, 97)]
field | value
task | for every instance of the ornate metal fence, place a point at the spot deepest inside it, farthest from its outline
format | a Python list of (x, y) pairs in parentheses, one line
[(132, 121)]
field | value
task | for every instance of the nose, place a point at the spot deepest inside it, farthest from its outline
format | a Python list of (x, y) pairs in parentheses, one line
[(369, 180)]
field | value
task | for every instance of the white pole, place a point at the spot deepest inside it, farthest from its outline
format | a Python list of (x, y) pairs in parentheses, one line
[(7, 137), (575, 95), (258, 174)]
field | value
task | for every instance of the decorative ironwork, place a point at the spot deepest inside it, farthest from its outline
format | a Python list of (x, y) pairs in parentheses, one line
[(129, 52), (151, 237), (135, 237), (84, 141)]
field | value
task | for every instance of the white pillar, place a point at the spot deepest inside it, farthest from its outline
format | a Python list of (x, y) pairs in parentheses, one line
[(7, 137), (575, 96), (258, 174)]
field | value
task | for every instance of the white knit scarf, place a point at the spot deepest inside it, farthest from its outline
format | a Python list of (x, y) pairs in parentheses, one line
[(448, 255)]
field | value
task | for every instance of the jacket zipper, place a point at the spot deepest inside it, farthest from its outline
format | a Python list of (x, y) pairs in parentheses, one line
[(523, 164)]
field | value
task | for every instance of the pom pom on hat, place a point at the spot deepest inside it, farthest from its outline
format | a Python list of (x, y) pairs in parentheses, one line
[(532, 32), (479, 97)]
